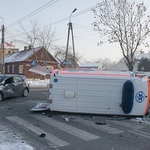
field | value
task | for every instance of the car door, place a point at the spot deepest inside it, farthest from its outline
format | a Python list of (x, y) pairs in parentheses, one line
[(18, 85), (9, 89)]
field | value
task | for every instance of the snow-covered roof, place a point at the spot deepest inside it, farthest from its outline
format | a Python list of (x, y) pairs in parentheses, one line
[(20, 55), (8, 45), (91, 65), (121, 65), (144, 55)]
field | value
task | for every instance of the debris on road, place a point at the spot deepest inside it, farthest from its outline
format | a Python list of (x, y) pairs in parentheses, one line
[(66, 119), (100, 123), (41, 107), (42, 135)]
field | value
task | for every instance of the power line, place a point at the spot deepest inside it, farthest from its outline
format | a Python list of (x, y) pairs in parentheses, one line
[(82, 26), (33, 13), (76, 14), (14, 36), (56, 22), (22, 33)]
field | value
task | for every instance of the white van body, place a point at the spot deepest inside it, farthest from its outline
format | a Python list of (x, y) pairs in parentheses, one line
[(96, 91)]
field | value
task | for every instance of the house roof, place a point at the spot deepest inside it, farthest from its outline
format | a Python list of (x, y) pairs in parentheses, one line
[(121, 65), (8, 45), (20, 55), (143, 55), (91, 65)]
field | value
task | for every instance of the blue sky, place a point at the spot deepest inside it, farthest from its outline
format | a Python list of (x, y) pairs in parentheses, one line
[(84, 37)]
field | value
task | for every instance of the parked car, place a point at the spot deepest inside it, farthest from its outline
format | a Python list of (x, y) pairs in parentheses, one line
[(13, 85)]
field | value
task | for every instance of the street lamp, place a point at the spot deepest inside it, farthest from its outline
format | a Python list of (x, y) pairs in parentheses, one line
[(71, 14), (2, 45), (70, 28)]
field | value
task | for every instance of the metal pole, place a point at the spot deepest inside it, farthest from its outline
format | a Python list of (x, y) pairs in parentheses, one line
[(70, 28), (3, 64), (2, 46), (67, 43), (73, 46)]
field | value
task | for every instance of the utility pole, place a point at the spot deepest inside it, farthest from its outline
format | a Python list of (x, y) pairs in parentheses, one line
[(2, 46), (70, 28)]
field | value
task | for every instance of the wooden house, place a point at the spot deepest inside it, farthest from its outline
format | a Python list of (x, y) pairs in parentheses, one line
[(22, 61)]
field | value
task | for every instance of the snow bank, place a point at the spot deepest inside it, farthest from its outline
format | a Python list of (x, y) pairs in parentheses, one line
[(38, 83), (10, 140)]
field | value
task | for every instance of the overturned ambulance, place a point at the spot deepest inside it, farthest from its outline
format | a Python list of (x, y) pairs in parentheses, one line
[(96, 91)]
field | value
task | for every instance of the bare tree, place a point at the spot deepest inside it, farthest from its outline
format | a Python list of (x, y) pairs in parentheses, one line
[(46, 37), (106, 61), (125, 23), (60, 52), (31, 31), (38, 35)]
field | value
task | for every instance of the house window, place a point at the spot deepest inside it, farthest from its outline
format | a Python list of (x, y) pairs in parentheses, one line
[(13, 68), (21, 69), (8, 68)]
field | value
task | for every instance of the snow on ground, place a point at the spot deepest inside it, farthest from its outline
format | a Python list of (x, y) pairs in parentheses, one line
[(38, 83), (9, 139)]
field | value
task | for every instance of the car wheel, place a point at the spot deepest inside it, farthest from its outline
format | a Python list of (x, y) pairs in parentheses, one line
[(25, 92), (1, 96)]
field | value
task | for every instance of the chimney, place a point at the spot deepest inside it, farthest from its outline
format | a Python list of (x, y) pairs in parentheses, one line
[(25, 47), (29, 47)]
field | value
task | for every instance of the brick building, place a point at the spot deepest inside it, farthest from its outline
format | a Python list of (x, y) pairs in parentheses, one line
[(22, 61)]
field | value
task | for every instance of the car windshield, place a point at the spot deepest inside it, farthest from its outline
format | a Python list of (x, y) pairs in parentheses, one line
[(2, 78)]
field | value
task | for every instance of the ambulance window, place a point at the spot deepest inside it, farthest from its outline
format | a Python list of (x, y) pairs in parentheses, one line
[(68, 94)]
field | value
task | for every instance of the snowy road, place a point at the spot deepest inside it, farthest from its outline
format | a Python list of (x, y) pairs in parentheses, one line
[(21, 129)]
